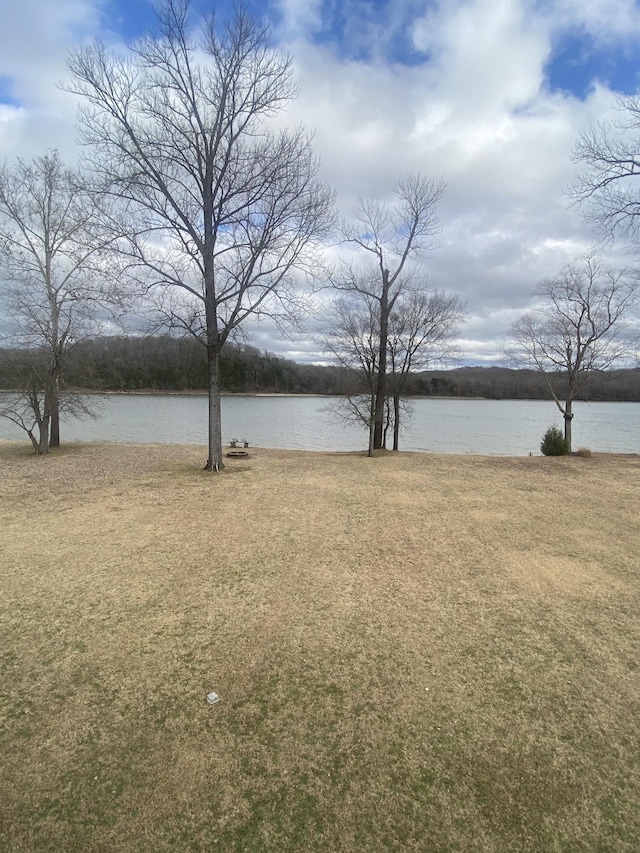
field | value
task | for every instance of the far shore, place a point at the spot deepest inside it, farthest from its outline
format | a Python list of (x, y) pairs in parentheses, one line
[(198, 392), (203, 393)]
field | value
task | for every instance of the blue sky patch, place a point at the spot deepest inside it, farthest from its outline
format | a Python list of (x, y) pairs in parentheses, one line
[(130, 18), (135, 18), (356, 29), (578, 62), (369, 29), (6, 92)]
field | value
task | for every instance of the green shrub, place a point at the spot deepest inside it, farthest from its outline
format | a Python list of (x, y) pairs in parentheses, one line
[(553, 443)]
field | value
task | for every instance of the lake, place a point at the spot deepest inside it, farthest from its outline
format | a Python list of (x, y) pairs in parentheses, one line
[(493, 427)]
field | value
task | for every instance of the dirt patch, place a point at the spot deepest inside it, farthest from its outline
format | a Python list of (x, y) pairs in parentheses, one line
[(549, 574)]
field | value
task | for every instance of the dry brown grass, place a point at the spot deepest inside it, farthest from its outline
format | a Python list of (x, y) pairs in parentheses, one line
[(584, 452), (413, 652)]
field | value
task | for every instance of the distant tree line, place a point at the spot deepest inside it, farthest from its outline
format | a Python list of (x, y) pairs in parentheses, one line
[(501, 383), (165, 363)]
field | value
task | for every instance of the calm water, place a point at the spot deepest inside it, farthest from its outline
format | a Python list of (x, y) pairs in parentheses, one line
[(496, 427)]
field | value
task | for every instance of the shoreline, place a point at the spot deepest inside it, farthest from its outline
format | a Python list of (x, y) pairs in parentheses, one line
[(68, 446)]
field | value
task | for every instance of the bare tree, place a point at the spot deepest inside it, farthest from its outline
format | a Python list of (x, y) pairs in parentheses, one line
[(577, 328), (392, 235), (351, 339), (53, 267), (420, 332), (230, 208), (607, 190), (29, 406), (422, 327)]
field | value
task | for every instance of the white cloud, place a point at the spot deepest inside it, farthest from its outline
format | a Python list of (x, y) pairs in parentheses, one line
[(35, 38), (488, 54), (300, 18), (477, 111), (606, 21)]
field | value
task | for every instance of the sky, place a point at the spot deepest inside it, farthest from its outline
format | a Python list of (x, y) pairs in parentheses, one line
[(490, 95)]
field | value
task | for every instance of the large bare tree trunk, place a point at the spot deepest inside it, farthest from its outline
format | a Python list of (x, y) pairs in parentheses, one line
[(57, 351), (43, 419), (54, 408), (43, 427), (568, 418), (381, 381), (54, 428), (214, 462)]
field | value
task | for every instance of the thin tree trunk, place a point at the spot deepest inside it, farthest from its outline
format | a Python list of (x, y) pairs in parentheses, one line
[(43, 418), (396, 421), (214, 462), (382, 363), (387, 422), (372, 408), (34, 441)]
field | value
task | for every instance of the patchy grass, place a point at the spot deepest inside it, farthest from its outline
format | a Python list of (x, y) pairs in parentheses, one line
[(413, 652)]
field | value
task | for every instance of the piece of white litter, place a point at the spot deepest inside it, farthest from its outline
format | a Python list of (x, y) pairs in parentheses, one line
[(212, 698)]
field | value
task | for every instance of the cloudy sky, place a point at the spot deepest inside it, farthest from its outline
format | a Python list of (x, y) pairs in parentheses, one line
[(489, 94)]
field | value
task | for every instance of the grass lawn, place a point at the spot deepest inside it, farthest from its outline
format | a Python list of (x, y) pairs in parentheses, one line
[(413, 652)]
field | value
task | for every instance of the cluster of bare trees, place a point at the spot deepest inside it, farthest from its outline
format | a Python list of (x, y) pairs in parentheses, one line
[(191, 198), (387, 320), (212, 213), (216, 211)]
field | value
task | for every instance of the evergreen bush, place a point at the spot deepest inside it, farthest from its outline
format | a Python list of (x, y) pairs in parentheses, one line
[(553, 443)]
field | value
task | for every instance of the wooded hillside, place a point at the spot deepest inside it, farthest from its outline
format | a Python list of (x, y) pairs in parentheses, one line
[(165, 363)]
